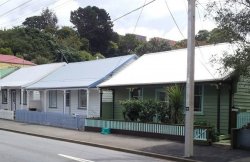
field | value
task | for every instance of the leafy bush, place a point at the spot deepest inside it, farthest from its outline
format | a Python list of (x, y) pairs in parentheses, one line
[(148, 111), (131, 109)]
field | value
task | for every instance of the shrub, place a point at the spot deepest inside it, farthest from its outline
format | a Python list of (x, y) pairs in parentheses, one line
[(148, 111), (131, 109), (175, 104)]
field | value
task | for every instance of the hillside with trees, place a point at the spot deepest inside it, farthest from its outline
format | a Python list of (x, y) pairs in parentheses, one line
[(40, 39)]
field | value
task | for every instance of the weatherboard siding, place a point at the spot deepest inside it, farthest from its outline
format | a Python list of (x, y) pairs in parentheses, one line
[(242, 94), (209, 113)]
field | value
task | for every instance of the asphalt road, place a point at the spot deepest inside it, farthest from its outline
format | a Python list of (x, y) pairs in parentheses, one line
[(16, 147)]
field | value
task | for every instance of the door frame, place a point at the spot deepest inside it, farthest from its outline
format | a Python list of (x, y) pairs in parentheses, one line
[(12, 97)]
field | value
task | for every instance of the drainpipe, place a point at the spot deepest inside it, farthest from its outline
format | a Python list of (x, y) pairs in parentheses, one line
[(100, 91), (113, 94), (230, 107), (218, 106)]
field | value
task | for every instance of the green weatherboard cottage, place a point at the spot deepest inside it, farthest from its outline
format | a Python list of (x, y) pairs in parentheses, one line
[(217, 91)]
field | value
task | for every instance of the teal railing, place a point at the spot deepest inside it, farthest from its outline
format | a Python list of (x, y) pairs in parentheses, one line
[(242, 119), (200, 133)]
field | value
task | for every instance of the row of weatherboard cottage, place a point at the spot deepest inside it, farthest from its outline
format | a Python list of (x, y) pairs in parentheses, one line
[(94, 88)]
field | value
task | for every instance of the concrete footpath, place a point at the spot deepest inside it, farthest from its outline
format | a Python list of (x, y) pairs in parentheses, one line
[(160, 148)]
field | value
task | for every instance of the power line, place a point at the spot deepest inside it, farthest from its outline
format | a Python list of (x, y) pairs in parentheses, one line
[(133, 10), (16, 20), (15, 8), (139, 16), (174, 19), (4, 2)]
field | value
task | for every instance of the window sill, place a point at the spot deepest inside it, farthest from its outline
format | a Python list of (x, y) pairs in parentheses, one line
[(52, 107), (82, 108), (4, 103), (198, 113)]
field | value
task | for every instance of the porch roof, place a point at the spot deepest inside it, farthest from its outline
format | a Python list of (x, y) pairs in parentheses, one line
[(171, 67), (28, 75), (85, 74)]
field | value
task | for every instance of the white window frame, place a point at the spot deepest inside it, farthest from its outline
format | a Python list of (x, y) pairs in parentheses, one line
[(79, 99), (4, 96), (24, 97), (52, 97)]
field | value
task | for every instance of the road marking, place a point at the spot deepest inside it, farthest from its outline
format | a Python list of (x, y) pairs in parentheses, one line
[(75, 158)]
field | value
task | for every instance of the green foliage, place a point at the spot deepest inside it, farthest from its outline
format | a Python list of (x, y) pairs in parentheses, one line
[(232, 17), (127, 44), (47, 20), (176, 103), (148, 111), (202, 35), (132, 109), (153, 45), (6, 51), (95, 25), (145, 111)]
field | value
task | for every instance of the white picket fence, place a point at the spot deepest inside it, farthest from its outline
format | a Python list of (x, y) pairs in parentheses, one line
[(6, 114), (200, 133)]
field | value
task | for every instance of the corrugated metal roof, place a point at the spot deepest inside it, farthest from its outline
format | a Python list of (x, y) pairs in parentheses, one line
[(14, 60), (28, 75), (6, 71), (82, 74), (171, 67)]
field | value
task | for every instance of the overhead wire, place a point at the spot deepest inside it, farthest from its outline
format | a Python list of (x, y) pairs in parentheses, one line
[(133, 11), (139, 16), (4, 3), (15, 8), (174, 19), (23, 16)]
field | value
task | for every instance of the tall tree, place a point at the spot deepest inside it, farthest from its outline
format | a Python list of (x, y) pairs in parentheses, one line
[(95, 25), (47, 20), (232, 16), (153, 45)]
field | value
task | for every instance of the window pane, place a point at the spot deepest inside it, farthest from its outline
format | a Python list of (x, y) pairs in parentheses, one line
[(82, 99), (198, 98), (136, 93), (4, 96), (36, 95), (52, 99), (67, 98)]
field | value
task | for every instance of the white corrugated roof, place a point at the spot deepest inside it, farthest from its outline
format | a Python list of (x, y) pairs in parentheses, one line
[(28, 75), (82, 74), (171, 67)]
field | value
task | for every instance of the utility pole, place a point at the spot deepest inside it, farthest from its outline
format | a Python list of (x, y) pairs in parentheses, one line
[(189, 118)]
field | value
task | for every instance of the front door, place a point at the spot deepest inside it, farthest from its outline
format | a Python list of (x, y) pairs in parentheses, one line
[(13, 99)]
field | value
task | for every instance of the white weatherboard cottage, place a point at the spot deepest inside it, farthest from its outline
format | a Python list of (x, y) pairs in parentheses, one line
[(72, 89), (13, 93)]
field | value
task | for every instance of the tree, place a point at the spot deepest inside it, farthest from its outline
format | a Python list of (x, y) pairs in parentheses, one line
[(236, 26), (219, 36), (95, 25), (202, 35), (47, 20), (127, 44), (153, 45)]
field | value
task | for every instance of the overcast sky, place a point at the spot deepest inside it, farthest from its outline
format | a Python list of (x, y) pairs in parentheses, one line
[(155, 20)]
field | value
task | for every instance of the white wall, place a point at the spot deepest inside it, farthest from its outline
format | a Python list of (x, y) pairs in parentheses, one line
[(8, 105), (94, 103)]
